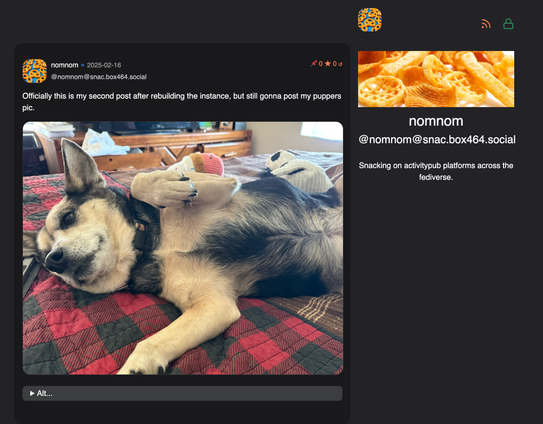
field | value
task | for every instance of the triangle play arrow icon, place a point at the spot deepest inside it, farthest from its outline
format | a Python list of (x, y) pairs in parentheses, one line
[(31, 392)]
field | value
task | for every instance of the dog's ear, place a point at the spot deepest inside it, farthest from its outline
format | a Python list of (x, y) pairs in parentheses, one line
[(80, 171), (30, 244)]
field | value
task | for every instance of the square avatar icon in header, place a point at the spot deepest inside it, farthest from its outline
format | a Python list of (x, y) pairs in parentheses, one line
[(34, 71), (369, 19)]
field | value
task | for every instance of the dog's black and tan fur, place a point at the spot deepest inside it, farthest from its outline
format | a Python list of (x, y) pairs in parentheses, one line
[(208, 241)]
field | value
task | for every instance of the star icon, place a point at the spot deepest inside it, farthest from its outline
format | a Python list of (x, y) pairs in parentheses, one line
[(327, 63)]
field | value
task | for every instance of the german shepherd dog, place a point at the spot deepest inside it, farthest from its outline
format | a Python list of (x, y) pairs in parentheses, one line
[(208, 240)]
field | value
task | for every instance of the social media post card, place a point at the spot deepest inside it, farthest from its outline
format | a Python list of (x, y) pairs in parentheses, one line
[(436, 79), (237, 178)]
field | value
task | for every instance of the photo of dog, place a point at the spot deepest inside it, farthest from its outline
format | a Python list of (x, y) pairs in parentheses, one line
[(273, 240)]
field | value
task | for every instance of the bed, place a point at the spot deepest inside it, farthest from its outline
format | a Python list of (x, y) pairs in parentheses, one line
[(67, 331)]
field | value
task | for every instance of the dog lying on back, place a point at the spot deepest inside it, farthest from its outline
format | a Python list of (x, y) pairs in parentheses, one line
[(207, 240)]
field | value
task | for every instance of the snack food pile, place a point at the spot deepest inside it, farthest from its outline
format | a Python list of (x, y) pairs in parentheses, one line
[(34, 70), (434, 78), (369, 19)]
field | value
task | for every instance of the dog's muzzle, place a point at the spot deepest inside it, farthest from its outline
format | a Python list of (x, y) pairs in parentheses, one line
[(56, 262)]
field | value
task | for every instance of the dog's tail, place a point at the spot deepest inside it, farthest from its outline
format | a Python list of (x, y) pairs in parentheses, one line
[(337, 190)]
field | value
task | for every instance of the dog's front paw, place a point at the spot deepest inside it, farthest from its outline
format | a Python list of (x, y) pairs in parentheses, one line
[(164, 189), (144, 361)]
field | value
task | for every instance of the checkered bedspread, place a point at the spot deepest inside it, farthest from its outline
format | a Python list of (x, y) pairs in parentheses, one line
[(67, 331)]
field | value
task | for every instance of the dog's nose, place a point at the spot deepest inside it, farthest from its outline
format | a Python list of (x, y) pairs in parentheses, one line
[(56, 262)]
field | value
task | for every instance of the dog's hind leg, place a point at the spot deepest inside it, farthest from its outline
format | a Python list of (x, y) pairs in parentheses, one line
[(196, 325), (208, 306)]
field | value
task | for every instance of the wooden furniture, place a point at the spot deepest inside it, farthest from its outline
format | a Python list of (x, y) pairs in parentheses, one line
[(158, 149)]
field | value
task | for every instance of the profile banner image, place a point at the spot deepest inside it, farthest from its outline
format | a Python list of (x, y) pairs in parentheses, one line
[(369, 19), (34, 71), (436, 79)]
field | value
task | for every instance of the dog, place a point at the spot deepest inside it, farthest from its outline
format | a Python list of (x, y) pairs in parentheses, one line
[(207, 240)]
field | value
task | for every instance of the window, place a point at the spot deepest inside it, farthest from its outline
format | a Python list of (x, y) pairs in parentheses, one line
[(327, 130)]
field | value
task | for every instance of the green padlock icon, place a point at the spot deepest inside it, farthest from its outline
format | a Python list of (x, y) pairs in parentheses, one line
[(508, 24)]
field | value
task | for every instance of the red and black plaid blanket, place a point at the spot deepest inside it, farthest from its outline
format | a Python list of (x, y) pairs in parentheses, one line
[(67, 331)]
